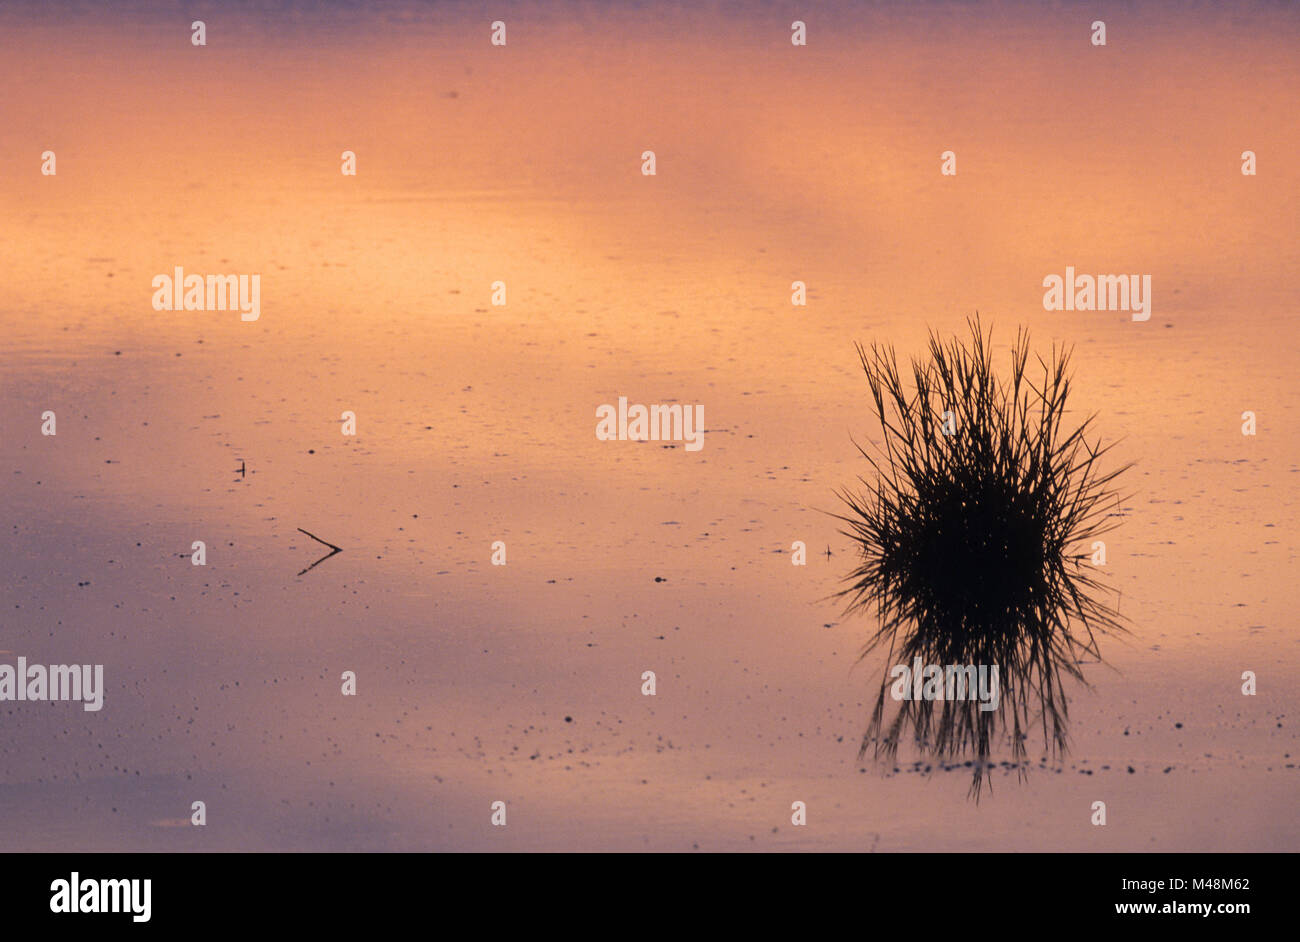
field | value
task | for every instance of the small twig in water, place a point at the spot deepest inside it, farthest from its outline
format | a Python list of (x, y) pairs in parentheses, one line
[(334, 549)]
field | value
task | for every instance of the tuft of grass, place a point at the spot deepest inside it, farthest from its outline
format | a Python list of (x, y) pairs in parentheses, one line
[(970, 542)]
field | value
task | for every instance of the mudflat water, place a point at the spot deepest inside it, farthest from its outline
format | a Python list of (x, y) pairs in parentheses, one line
[(522, 683)]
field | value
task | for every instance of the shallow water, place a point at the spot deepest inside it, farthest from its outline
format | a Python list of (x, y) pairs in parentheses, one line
[(475, 422)]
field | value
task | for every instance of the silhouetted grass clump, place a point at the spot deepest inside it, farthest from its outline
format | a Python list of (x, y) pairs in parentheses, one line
[(975, 541)]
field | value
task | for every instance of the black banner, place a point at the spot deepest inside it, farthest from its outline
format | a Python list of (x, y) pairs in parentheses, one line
[(142, 892)]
